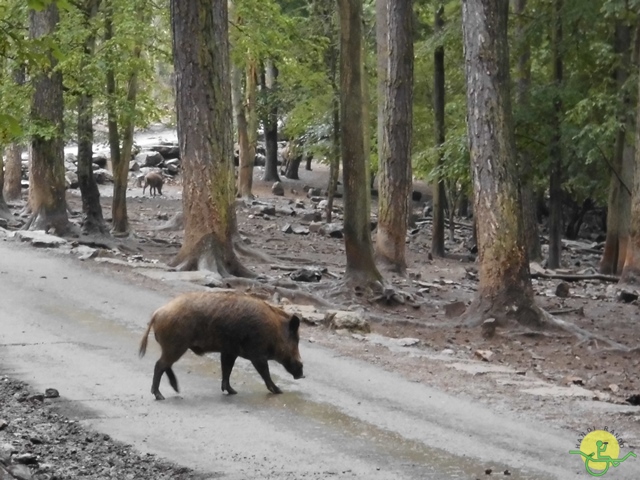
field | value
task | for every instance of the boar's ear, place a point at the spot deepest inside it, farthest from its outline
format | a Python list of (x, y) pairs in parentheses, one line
[(294, 323)]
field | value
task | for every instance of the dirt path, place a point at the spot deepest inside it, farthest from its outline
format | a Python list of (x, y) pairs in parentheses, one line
[(75, 329)]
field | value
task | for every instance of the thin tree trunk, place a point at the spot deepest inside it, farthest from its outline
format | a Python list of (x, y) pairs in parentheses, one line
[(205, 133), (334, 165), (13, 173), (619, 201), (93, 221), (361, 269), (437, 233), (395, 70), (245, 170), (504, 290), (4, 209), (271, 124), (523, 85), (47, 183), (252, 124), (555, 152)]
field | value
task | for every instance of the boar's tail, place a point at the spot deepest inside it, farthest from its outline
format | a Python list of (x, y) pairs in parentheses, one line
[(143, 343)]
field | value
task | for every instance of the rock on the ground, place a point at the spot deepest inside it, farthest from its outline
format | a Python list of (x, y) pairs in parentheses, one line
[(19, 472), (103, 176), (149, 158), (38, 238), (333, 230), (71, 179), (100, 160), (277, 189), (352, 321)]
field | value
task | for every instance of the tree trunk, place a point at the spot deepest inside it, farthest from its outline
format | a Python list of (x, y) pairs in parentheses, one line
[(252, 125), (619, 202), (271, 124), (361, 269), (334, 165), (523, 85), (504, 290), (13, 167), (437, 231), (293, 165), (245, 170), (555, 148), (93, 221), (395, 89), (47, 183), (13, 173), (203, 105), (4, 209)]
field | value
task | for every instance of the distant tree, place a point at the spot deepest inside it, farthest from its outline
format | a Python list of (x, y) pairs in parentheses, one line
[(13, 172), (269, 85), (395, 102), (504, 291), (437, 232), (361, 268), (203, 103), (93, 221), (47, 183)]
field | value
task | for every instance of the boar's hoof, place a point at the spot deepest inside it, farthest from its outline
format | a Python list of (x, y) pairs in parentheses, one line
[(229, 390), (158, 395), (274, 389)]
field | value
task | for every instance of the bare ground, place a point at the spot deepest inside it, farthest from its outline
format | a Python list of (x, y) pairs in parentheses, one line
[(550, 375)]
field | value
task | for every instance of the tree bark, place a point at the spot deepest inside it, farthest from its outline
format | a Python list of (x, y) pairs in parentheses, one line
[(523, 85), (334, 163), (252, 124), (4, 208), (395, 118), (245, 167), (361, 269), (93, 221), (203, 104), (619, 201), (47, 183), (504, 290), (13, 173), (437, 233), (555, 147), (271, 123)]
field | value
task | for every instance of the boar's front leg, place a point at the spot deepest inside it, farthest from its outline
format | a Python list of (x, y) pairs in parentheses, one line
[(227, 360), (262, 366)]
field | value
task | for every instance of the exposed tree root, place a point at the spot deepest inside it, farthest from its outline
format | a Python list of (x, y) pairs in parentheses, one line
[(175, 223), (246, 251), (576, 278), (276, 293)]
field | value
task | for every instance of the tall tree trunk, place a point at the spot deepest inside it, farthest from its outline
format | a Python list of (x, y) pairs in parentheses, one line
[(4, 209), (361, 269), (271, 123), (523, 85), (203, 105), (555, 151), (245, 167), (619, 202), (13, 167), (395, 82), (252, 125), (437, 231), (334, 163), (120, 225), (47, 183), (93, 221), (504, 290), (13, 173)]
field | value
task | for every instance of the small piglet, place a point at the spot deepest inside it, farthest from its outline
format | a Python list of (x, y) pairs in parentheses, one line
[(154, 181), (233, 324)]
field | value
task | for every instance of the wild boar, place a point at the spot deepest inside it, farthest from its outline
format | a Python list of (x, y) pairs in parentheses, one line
[(235, 325), (154, 181)]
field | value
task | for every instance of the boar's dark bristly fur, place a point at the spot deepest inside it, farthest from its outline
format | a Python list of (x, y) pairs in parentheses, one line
[(233, 324)]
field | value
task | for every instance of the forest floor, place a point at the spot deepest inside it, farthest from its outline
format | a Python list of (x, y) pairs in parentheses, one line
[(552, 375)]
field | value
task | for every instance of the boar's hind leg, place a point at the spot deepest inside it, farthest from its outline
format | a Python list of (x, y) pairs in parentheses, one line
[(227, 360), (164, 365), (262, 366)]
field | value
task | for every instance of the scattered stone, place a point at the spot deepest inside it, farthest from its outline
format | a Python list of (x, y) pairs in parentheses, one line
[(448, 351), (407, 342), (134, 166), (489, 327), (103, 176), (264, 209), (3, 424), (277, 189), (38, 238), (315, 227), (25, 458), (311, 217), (455, 309), (51, 393), (614, 388), (315, 192), (149, 158), (507, 472), (297, 229), (20, 472), (488, 471), (563, 290), (571, 379), (484, 355), (71, 179), (306, 275), (333, 230), (633, 399), (351, 321), (626, 296), (85, 253)]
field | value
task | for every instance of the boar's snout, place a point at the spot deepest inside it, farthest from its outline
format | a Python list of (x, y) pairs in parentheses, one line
[(294, 367)]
